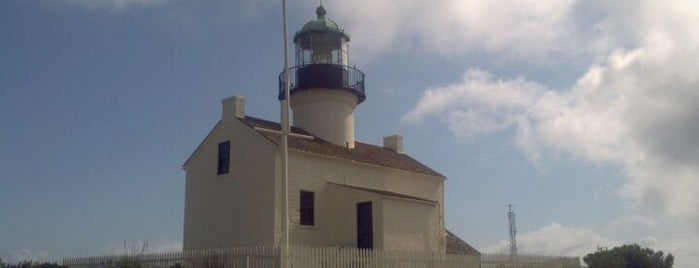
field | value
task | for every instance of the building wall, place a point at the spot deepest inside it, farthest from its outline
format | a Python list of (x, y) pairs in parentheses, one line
[(234, 209), (244, 207), (340, 207), (335, 206), (403, 229)]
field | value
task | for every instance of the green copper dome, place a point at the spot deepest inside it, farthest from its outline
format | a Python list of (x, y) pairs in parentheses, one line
[(321, 25)]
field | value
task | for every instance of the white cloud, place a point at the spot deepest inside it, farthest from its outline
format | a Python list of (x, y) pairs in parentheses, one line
[(478, 105), (631, 220), (531, 29), (683, 248), (637, 108), (556, 240)]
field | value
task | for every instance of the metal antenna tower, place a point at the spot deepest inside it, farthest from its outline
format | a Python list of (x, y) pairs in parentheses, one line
[(513, 230)]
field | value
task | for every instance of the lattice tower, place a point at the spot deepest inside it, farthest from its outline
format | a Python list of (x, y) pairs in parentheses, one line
[(513, 230)]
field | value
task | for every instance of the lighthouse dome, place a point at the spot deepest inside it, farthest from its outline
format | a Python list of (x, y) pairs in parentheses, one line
[(321, 25)]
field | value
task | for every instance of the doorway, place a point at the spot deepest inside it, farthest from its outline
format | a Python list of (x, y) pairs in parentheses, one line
[(365, 226)]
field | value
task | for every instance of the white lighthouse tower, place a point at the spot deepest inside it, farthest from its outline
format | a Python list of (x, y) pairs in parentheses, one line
[(324, 88)]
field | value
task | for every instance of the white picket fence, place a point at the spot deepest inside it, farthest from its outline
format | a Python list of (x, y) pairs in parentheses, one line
[(243, 257), (317, 257), (329, 257), (527, 261)]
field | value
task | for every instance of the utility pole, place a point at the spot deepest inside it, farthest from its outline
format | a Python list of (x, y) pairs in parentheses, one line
[(285, 148)]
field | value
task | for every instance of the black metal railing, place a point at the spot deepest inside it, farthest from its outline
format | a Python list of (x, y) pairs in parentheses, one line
[(319, 76)]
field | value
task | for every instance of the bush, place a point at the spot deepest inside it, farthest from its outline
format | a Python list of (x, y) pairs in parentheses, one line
[(629, 256)]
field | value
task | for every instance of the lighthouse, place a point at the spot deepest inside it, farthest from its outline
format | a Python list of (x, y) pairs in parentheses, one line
[(324, 88)]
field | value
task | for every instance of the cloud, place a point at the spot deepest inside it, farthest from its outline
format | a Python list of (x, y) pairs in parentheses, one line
[(631, 220), (478, 105), (530, 29), (683, 248), (637, 110), (635, 107), (556, 240)]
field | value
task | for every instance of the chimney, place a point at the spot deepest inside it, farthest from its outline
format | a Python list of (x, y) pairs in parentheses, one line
[(233, 106), (394, 142)]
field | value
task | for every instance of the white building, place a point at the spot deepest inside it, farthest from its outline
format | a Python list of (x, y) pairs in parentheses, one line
[(341, 192)]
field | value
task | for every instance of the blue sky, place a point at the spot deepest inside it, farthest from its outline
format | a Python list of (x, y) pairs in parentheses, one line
[(581, 113)]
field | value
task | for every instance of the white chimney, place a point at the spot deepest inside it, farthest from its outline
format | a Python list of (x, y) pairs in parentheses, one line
[(233, 106), (394, 142)]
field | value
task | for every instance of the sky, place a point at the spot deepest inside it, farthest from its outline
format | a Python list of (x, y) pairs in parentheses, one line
[(583, 114)]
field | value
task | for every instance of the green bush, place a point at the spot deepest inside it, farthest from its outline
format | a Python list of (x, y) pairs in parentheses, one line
[(629, 256)]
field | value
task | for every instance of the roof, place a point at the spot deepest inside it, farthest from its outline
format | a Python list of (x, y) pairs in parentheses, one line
[(362, 152), (322, 24), (459, 246), (386, 193)]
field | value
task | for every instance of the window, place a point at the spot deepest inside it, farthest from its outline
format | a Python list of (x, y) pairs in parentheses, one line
[(224, 157), (306, 208)]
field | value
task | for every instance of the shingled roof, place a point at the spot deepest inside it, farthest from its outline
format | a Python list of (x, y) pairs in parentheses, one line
[(362, 152), (459, 246)]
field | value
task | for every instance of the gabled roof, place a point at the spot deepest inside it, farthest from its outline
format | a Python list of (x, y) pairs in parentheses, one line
[(459, 246), (362, 152)]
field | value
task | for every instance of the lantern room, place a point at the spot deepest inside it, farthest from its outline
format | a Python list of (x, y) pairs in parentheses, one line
[(321, 41), (322, 60)]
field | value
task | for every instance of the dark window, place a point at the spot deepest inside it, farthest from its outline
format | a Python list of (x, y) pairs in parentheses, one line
[(306, 208), (224, 157)]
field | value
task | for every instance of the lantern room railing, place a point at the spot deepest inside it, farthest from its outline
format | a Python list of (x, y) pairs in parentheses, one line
[(322, 76)]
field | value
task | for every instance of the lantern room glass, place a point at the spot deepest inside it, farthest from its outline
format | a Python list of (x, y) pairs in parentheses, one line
[(321, 48)]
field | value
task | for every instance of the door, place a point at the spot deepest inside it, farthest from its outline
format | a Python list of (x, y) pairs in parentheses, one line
[(365, 226)]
